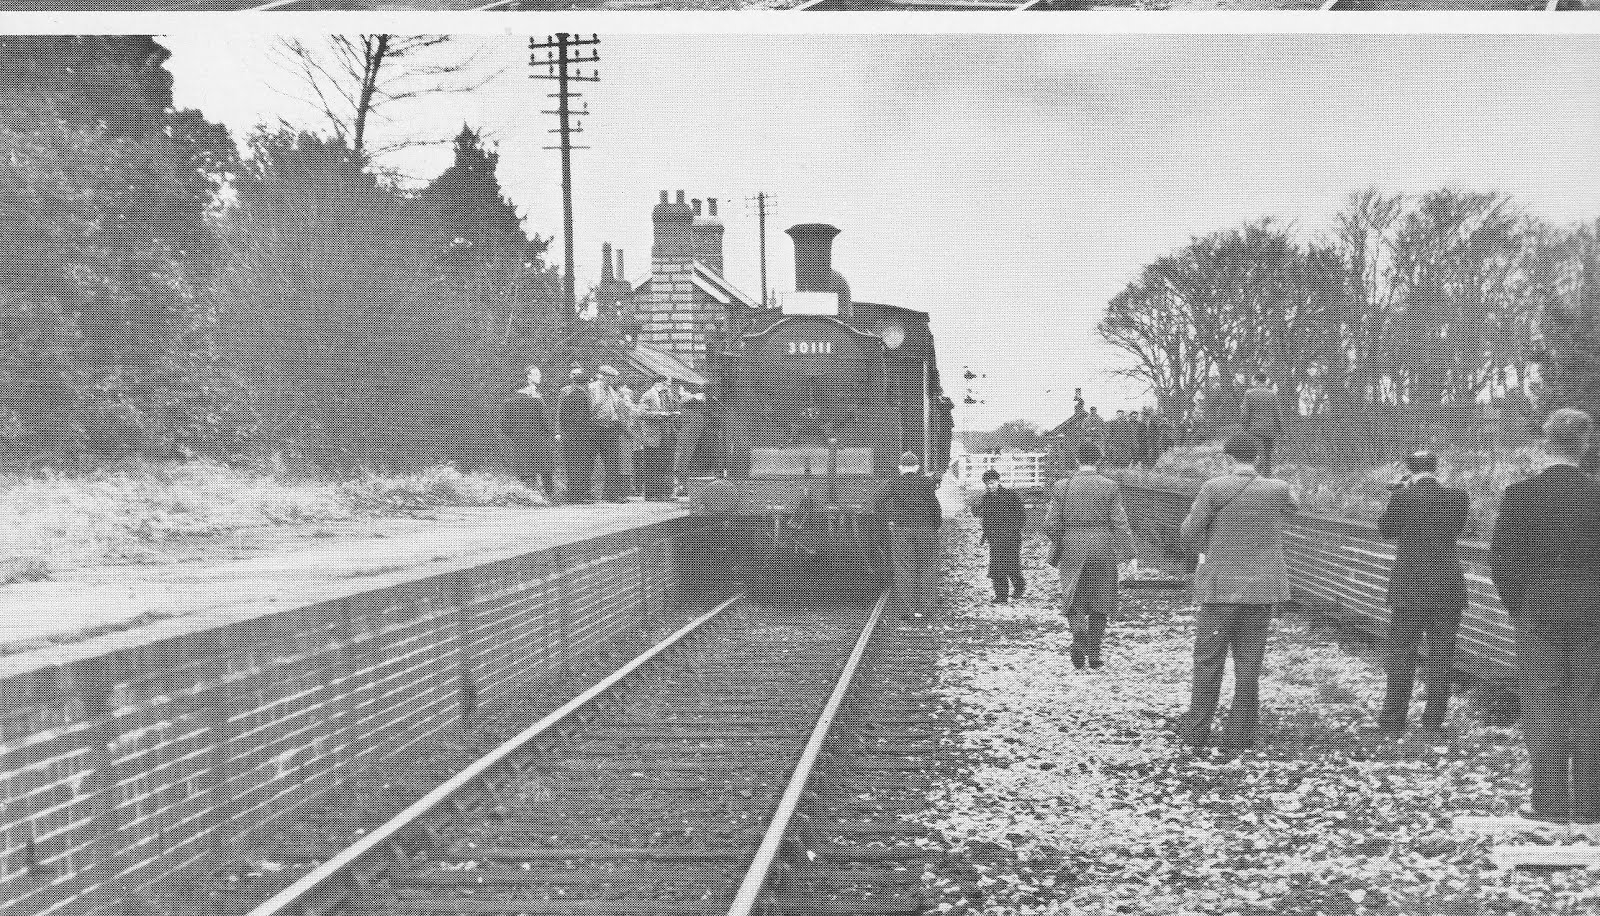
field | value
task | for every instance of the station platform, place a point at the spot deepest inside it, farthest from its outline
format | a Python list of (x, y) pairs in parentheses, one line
[(283, 568), (156, 717)]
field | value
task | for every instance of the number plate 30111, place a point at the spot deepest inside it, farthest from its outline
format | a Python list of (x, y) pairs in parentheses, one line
[(810, 347)]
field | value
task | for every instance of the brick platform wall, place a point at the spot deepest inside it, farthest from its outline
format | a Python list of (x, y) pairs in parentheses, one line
[(119, 769)]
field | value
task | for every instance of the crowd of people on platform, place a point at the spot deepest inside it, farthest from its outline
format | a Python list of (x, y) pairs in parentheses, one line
[(1545, 566), (1128, 439), (608, 442)]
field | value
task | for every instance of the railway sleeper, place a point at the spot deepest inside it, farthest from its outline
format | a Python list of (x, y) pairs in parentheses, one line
[(547, 874), (603, 853), (469, 907)]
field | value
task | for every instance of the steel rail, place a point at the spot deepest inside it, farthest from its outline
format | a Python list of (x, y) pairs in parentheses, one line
[(744, 900), (299, 890)]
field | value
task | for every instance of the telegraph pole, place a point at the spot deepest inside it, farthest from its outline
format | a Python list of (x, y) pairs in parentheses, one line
[(762, 198), (556, 55)]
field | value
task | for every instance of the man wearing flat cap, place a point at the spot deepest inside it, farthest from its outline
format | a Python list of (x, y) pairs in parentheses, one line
[(610, 416), (1427, 591), (908, 506)]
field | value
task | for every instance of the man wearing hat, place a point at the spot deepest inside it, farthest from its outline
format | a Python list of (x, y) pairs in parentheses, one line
[(575, 420), (610, 416), (1427, 590), (908, 506), (1001, 514)]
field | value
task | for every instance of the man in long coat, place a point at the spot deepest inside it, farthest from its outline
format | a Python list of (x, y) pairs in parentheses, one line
[(1427, 590), (1236, 523), (579, 446), (527, 424), (1089, 529)]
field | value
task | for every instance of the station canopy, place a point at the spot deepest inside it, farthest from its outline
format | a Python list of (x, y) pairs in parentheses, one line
[(647, 361)]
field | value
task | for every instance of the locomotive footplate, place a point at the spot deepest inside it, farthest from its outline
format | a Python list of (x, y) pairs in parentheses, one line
[(805, 525)]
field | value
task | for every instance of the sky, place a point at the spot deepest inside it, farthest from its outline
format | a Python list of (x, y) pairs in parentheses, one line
[(1009, 185)]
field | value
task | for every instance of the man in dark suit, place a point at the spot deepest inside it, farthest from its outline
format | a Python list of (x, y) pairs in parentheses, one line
[(1262, 417), (908, 506), (579, 446), (1545, 563), (1427, 590), (1002, 515)]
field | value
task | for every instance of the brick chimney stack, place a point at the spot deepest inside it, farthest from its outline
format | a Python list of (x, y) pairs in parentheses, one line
[(707, 232), (672, 319), (672, 225)]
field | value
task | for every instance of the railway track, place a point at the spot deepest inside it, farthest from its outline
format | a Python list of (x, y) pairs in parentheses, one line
[(753, 761)]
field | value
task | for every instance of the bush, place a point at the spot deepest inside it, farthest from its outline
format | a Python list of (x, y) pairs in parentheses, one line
[(1361, 494)]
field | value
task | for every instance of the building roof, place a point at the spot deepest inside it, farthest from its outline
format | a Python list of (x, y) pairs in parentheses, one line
[(645, 360), (712, 284)]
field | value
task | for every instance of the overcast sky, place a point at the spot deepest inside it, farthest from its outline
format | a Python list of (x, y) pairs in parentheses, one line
[(1007, 184)]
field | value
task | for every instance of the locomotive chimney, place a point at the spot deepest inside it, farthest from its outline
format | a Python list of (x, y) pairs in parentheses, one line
[(813, 264), (813, 257)]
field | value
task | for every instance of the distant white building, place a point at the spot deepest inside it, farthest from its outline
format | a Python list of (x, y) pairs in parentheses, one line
[(1018, 470)]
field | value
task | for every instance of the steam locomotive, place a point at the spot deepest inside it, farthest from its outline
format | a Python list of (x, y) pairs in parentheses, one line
[(817, 401)]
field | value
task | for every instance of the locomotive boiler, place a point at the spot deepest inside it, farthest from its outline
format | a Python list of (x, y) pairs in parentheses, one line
[(818, 399)]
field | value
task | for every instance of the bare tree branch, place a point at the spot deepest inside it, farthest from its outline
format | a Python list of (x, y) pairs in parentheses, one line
[(356, 81)]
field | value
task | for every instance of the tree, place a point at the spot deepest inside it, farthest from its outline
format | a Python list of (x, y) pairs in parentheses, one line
[(105, 197), (353, 79), (1459, 273), (362, 344), (1570, 325), (478, 245), (1365, 241), (1147, 321), (1021, 435), (1224, 306)]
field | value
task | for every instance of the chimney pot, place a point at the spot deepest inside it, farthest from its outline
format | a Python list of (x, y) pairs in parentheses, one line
[(696, 203), (712, 203), (680, 197), (663, 196)]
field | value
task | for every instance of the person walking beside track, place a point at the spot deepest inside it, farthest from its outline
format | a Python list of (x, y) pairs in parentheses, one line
[(1089, 530), (1001, 513), (908, 507), (1427, 591), (1236, 523), (575, 418), (1545, 563), (527, 425), (1262, 416)]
